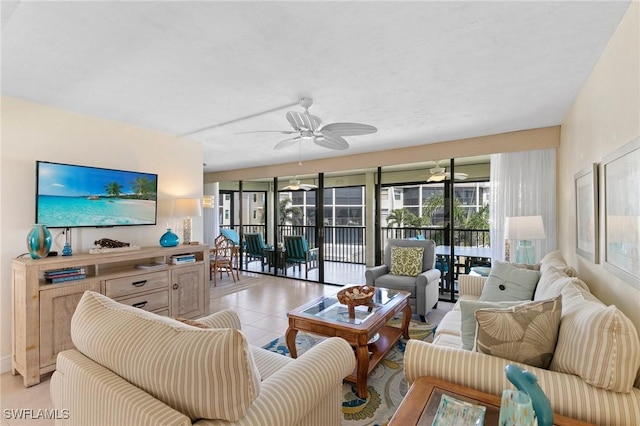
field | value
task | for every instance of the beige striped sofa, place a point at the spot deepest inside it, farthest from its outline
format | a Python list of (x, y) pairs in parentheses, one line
[(132, 367), (603, 388)]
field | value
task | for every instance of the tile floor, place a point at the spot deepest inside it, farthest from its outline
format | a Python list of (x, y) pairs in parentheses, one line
[(262, 310)]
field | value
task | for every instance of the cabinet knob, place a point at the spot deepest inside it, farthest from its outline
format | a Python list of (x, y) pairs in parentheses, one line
[(175, 286)]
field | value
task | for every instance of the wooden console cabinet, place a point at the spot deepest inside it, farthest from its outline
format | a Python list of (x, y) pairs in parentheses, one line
[(42, 311)]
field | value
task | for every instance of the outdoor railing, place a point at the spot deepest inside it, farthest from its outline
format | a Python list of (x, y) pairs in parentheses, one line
[(347, 243)]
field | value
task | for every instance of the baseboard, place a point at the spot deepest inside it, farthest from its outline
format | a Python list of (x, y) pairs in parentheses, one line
[(5, 364)]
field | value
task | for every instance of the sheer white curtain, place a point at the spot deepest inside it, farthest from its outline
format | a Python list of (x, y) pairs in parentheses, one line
[(210, 216), (523, 184)]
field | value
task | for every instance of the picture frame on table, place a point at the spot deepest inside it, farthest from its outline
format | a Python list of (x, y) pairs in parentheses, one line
[(620, 176), (586, 190)]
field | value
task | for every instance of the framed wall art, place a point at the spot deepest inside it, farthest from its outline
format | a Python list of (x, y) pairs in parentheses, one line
[(586, 189), (621, 183)]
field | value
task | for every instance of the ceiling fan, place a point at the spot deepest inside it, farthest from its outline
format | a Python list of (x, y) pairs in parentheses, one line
[(438, 174), (295, 185), (309, 127)]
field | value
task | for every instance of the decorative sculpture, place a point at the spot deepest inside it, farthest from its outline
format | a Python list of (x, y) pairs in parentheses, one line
[(527, 382), (109, 243)]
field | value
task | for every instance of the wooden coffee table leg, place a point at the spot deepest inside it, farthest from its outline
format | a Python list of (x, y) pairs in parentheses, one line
[(362, 357), (406, 319), (290, 337)]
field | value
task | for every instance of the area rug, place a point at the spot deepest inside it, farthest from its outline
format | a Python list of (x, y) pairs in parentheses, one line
[(226, 288), (386, 385)]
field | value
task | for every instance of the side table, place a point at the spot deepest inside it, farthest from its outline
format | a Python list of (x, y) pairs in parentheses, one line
[(421, 403)]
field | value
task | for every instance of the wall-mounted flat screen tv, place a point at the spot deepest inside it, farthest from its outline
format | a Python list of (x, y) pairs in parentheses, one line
[(73, 196)]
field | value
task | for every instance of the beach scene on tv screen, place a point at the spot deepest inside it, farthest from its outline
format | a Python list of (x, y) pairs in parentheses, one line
[(74, 196)]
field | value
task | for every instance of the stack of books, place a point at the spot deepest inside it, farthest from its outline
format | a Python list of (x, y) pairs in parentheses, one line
[(183, 258), (66, 274)]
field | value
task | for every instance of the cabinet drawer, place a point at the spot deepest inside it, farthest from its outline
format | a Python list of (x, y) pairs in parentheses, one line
[(149, 301), (135, 284)]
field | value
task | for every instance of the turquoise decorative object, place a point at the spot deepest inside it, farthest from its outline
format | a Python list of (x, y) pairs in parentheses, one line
[(169, 239), (39, 241), (527, 382), (516, 409), (66, 251)]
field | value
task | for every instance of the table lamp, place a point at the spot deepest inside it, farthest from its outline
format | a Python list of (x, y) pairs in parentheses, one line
[(187, 208), (524, 229)]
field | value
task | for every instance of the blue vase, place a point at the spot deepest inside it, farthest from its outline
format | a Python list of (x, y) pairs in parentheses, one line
[(169, 239), (39, 241)]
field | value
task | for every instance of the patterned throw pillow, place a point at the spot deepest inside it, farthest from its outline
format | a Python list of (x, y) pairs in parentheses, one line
[(524, 333), (406, 260), (468, 310)]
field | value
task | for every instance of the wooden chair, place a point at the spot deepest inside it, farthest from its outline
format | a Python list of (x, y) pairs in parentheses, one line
[(297, 252), (222, 258)]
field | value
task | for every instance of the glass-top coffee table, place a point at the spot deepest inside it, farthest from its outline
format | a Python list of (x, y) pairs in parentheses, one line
[(367, 332)]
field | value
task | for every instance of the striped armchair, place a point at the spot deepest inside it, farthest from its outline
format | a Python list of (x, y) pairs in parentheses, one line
[(133, 367)]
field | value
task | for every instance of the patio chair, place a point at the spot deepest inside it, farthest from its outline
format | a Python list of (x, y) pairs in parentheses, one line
[(221, 259), (297, 252), (255, 249), (424, 286)]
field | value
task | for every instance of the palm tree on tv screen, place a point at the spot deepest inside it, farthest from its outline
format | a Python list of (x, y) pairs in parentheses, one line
[(143, 187), (113, 189)]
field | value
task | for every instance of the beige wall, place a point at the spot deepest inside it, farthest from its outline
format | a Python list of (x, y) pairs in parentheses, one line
[(33, 132), (604, 116), (548, 137)]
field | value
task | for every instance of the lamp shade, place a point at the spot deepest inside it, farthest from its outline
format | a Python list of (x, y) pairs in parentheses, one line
[(524, 228), (188, 207)]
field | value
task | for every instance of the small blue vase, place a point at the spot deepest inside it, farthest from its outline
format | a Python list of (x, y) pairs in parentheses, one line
[(39, 241), (169, 239)]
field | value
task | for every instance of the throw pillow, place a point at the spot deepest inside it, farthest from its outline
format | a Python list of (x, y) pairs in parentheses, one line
[(191, 322), (525, 333), (596, 342), (555, 260), (468, 319), (208, 374), (406, 260), (506, 282), (552, 281)]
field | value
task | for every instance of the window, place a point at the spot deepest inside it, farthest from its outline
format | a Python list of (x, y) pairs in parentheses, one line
[(349, 196), (297, 198), (411, 196)]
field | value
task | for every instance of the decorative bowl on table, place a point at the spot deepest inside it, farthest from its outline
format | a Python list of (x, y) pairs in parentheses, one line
[(356, 296)]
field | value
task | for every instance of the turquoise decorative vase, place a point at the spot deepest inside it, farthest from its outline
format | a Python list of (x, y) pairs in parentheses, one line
[(527, 382), (516, 409), (39, 241), (169, 239)]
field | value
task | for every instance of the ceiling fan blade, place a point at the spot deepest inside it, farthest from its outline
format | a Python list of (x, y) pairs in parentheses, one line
[(303, 121), (284, 132), (460, 176), (436, 178), (308, 187), (327, 140), (348, 129), (287, 142)]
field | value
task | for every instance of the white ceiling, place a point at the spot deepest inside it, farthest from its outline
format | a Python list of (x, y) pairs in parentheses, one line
[(421, 72)]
